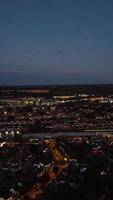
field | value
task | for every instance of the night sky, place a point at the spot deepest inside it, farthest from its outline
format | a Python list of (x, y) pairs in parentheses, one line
[(56, 42)]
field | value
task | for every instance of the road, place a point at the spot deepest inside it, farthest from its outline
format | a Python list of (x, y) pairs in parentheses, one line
[(61, 161)]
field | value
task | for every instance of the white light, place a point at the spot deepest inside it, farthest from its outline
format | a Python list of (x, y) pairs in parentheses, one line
[(12, 133), (41, 164), (2, 144), (6, 132), (65, 159)]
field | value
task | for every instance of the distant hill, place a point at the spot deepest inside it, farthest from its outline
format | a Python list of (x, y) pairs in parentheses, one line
[(100, 89)]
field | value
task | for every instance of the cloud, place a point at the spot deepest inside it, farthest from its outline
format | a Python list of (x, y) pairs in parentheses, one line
[(52, 78), (62, 51)]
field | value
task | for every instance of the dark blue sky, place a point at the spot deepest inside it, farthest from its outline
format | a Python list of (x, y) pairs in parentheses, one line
[(56, 41)]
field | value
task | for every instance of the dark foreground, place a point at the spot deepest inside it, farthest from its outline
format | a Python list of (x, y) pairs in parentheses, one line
[(79, 167)]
